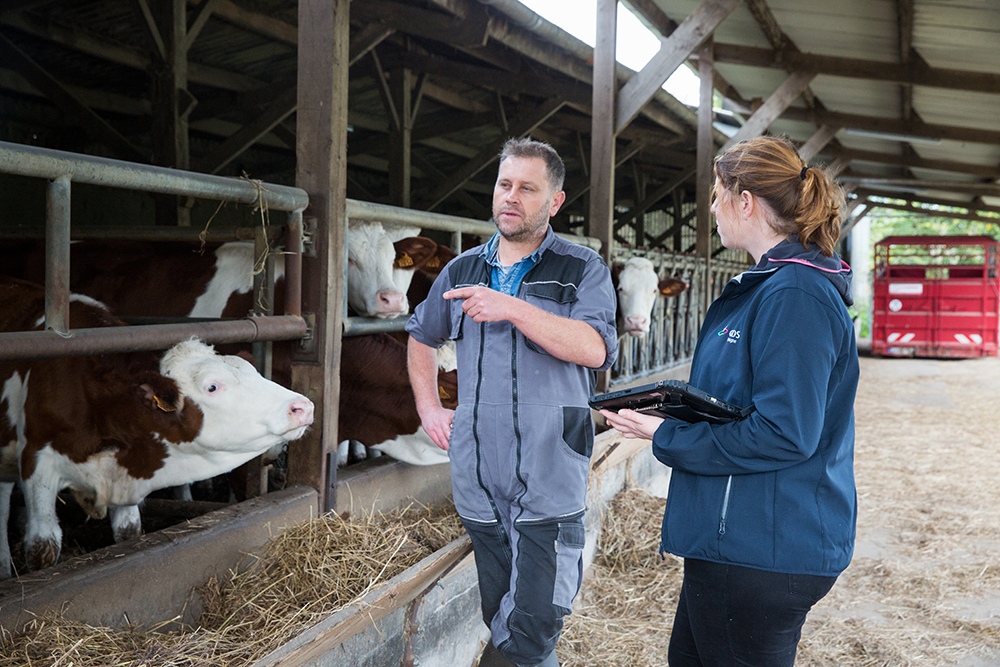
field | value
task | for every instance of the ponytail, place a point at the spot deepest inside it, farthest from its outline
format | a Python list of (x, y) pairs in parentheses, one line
[(806, 201)]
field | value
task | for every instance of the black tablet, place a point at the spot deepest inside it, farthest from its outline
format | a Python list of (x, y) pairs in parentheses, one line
[(674, 399)]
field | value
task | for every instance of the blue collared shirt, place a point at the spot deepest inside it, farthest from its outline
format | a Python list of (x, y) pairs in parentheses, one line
[(506, 279)]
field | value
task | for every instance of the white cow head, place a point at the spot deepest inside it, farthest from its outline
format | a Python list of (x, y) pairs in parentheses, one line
[(242, 411), (371, 290), (638, 289)]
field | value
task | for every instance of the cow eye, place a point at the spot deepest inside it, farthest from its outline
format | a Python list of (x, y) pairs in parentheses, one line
[(212, 388)]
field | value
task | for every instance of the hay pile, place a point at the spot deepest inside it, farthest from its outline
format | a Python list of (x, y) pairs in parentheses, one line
[(305, 574)]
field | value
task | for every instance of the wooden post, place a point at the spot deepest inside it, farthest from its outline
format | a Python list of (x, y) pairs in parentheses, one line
[(602, 150), (401, 89), (706, 151), (321, 170), (171, 103), (602, 138)]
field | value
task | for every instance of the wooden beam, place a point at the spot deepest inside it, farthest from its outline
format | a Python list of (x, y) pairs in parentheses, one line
[(462, 195), (470, 30), (151, 30), (490, 153), (59, 95), (511, 84), (705, 177), (854, 219), (321, 170), (817, 141), (654, 18), (914, 128), (654, 197), (857, 68), (930, 213), (382, 81), (984, 171), (172, 105), (204, 13), (113, 52), (674, 50), (574, 193), (768, 24), (602, 134), (367, 39), (989, 189), (401, 137), (970, 206), (771, 110), (281, 108), (261, 24)]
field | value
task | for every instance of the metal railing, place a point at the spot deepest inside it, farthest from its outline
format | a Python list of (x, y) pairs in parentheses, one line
[(675, 321), (62, 169)]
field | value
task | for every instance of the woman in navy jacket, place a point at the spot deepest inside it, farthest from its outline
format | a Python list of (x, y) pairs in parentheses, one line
[(763, 510)]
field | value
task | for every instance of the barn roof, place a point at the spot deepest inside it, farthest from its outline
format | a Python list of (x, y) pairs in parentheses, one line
[(910, 88)]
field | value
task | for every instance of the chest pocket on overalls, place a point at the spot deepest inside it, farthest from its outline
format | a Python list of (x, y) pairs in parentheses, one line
[(552, 297), (457, 318)]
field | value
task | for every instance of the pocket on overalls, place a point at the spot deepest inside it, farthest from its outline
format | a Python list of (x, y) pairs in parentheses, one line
[(570, 541)]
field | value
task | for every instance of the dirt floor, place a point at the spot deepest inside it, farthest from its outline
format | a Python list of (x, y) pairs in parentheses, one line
[(924, 586)]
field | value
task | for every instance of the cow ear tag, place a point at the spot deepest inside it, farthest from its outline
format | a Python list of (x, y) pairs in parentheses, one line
[(442, 394), (163, 406), (160, 403), (404, 261)]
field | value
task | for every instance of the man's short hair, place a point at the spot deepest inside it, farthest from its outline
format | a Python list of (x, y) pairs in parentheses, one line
[(555, 170)]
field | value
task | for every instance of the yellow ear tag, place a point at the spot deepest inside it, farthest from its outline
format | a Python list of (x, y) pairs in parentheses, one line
[(405, 260), (434, 262), (444, 396), (163, 406)]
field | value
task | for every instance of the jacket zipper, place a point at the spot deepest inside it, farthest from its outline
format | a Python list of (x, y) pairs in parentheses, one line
[(725, 507)]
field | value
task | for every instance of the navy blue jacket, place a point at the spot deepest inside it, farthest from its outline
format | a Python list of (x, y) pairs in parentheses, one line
[(774, 491)]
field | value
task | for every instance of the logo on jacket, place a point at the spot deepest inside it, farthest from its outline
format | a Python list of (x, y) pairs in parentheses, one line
[(733, 335)]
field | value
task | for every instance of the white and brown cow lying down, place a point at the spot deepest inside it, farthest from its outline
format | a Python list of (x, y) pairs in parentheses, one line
[(638, 287), (115, 427)]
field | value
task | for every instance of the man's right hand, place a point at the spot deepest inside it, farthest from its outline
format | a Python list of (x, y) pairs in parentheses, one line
[(437, 422)]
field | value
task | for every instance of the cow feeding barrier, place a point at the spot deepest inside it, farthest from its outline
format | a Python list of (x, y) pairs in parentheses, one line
[(315, 585)]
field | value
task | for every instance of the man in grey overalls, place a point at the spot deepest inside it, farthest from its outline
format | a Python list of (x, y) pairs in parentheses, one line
[(533, 316)]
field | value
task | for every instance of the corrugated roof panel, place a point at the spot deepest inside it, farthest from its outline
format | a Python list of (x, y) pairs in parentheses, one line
[(958, 34), (738, 28), (957, 107), (752, 81), (866, 143), (970, 153), (857, 96), (853, 28)]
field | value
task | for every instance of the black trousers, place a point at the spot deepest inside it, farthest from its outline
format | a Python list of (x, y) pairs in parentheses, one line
[(733, 616)]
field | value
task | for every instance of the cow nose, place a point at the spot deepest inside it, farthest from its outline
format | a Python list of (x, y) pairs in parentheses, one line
[(637, 323), (391, 302), (300, 411)]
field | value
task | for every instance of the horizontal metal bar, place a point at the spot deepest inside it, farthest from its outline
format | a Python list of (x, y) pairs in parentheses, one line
[(145, 233), (363, 210), (102, 340), (46, 163), (362, 326)]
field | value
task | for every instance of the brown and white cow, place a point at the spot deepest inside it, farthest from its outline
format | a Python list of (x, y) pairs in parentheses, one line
[(638, 287), (115, 427), (217, 282)]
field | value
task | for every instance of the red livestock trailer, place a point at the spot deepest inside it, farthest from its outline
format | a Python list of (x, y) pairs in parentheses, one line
[(936, 296)]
